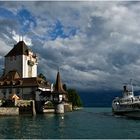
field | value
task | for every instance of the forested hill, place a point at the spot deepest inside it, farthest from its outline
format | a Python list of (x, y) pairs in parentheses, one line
[(98, 98)]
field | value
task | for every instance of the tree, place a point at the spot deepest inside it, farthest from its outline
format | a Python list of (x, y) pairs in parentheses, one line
[(42, 76), (65, 87), (74, 98)]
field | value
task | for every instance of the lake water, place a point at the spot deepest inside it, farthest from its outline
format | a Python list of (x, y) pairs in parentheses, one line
[(93, 123)]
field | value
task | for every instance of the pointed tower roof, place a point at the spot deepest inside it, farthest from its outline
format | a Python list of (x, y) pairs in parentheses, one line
[(58, 86), (19, 49)]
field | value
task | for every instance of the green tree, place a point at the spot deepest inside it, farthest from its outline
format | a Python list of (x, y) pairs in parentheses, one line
[(74, 98), (65, 87), (42, 76)]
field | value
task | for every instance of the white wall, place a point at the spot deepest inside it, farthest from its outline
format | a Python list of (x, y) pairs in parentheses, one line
[(20, 64), (26, 66)]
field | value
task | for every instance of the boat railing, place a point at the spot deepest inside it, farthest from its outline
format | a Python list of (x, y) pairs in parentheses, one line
[(137, 98), (131, 100)]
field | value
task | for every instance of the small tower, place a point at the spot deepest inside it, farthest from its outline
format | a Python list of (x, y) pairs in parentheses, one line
[(60, 95), (22, 60), (59, 89)]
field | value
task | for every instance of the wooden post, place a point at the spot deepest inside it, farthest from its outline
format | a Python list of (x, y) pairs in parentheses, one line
[(33, 107)]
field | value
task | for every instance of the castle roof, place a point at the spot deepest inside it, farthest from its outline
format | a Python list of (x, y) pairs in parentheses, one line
[(13, 78), (59, 86), (11, 75), (19, 49)]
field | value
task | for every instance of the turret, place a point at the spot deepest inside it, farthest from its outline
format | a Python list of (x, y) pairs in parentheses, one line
[(60, 95), (59, 92)]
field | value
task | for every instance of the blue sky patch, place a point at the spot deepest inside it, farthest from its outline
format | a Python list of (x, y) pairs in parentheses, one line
[(58, 30), (26, 20), (6, 13)]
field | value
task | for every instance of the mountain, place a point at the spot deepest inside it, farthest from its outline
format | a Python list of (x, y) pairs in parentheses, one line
[(98, 98)]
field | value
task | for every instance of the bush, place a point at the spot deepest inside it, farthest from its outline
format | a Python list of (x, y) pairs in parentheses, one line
[(74, 98)]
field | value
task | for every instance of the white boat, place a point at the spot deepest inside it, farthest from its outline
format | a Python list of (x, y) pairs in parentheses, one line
[(127, 105)]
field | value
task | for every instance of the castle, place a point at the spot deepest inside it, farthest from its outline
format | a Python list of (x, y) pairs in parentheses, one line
[(20, 78)]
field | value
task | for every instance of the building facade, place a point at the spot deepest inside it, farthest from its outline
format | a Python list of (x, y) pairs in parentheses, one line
[(21, 59), (20, 79), (20, 75)]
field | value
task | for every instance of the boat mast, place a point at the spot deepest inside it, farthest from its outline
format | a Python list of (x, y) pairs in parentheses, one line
[(131, 85)]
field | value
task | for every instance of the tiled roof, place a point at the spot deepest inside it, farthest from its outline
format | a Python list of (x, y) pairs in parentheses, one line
[(29, 82), (35, 81), (13, 79), (19, 49), (11, 75)]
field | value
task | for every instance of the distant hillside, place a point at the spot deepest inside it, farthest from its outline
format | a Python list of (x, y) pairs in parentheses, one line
[(99, 98)]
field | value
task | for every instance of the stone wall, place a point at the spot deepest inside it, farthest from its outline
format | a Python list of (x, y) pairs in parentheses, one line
[(49, 111), (9, 111), (26, 106), (68, 107), (13, 62), (23, 103)]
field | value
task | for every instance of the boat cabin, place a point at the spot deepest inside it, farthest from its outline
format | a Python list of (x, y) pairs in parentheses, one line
[(127, 93)]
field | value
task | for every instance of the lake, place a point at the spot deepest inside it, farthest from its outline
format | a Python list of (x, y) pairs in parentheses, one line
[(88, 123)]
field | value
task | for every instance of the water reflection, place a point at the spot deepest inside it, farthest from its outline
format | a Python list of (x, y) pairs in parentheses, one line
[(80, 124), (61, 125)]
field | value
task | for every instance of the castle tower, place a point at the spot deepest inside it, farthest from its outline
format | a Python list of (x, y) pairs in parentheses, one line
[(59, 92), (22, 60), (60, 96), (59, 86)]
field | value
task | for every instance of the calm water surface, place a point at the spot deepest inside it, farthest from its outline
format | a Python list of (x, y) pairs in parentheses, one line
[(93, 123)]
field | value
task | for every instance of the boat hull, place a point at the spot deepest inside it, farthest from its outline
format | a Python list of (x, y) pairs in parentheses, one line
[(128, 113)]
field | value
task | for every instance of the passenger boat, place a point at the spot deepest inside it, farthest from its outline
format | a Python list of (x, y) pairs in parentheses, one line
[(128, 104)]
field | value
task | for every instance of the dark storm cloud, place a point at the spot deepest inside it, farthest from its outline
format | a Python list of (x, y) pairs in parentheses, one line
[(95, 44), (120, 58)]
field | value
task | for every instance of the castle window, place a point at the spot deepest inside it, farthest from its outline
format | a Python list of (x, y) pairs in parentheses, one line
[(10, 90), (4, 92), (4, 95)]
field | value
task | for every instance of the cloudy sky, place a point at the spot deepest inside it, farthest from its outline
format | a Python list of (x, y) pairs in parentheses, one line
[(95, 44)]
